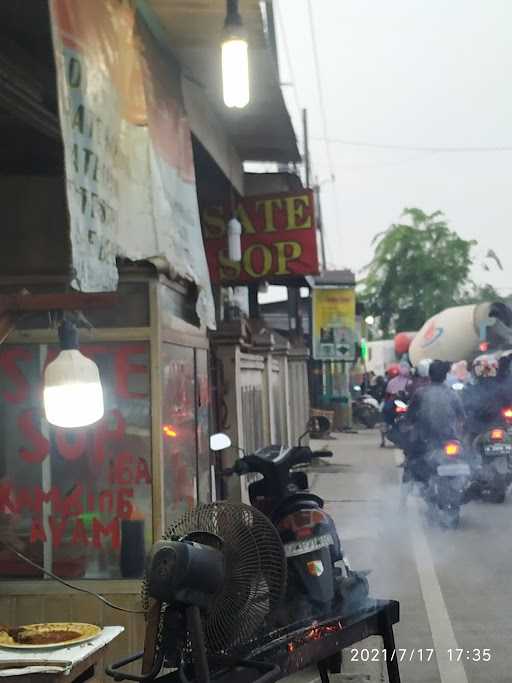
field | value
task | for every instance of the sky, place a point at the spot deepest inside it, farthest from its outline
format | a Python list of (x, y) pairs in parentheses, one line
[(406, 73)]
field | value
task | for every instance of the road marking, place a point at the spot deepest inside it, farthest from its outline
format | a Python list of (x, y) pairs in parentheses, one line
[(443, 635), (441, 627)]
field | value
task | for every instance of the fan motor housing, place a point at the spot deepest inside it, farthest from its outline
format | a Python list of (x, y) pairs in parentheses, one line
[(185, 572)]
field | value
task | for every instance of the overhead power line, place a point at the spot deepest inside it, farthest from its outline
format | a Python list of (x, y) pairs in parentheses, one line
[(320, 89), (282, 32), (321, 102), (412, 148)]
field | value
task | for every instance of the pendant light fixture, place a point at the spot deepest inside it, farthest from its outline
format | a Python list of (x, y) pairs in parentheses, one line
[(234, 240), (235, 59), (72, 395)]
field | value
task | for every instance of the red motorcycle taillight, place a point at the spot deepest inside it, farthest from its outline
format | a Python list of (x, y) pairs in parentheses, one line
[(452, 449), (507, 414), (400, 410), (497, 434)]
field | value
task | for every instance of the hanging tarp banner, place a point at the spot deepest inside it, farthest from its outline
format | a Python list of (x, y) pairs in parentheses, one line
[(334, 319), (278, 238), (128, 152)]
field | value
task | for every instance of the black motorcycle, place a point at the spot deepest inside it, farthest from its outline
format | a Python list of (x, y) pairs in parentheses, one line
[(444, 477), (394, 430), (493, 472), (318, 572)]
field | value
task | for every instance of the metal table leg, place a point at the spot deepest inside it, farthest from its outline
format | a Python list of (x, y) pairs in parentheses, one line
[(390, 647)]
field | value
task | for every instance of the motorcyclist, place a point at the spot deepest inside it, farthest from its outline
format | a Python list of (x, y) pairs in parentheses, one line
[(504, 379), (482, 398), (398, 383), (435, 415), (378, 389), (459, 374), (421, 377), (395, 389)]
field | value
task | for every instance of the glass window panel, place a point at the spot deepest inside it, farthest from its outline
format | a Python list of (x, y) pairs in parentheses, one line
[(179, 434), (79, 501), (203, 411)]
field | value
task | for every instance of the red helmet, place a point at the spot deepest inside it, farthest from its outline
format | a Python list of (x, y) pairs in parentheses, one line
[(393, 370)]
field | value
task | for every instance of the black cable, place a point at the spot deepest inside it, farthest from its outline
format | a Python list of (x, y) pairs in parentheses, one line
[(69, 585)]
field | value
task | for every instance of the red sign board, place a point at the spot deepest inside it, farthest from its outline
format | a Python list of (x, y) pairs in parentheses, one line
[(278, 238)]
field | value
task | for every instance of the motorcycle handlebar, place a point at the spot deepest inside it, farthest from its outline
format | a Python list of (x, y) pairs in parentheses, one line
[(322, 454), (239, 467)]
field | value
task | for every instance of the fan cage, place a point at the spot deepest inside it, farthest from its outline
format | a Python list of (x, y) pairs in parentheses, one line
[(255, 582)]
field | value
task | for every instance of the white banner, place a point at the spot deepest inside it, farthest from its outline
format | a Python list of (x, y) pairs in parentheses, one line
[(128, 152)]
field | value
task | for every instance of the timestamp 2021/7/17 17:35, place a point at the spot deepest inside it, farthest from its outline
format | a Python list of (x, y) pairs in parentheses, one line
[(419, 654)]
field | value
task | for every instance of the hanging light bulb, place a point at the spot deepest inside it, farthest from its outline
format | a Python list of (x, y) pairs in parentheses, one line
[(234, 240), (235, 59), (72, 396)]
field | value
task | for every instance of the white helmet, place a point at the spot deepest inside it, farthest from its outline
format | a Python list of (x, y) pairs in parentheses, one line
[(423, 367)]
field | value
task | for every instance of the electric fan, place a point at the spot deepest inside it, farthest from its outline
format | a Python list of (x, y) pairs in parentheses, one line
[(210, 583)]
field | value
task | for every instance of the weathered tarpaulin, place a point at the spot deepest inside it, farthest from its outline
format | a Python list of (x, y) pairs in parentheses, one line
[(128, 152)]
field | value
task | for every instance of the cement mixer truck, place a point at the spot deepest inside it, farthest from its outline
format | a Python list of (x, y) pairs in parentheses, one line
[(464, 332)]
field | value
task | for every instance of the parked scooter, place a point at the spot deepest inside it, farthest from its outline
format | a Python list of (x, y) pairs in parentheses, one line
[(493, 473), (319, 575), (365, 408), (444, 476)]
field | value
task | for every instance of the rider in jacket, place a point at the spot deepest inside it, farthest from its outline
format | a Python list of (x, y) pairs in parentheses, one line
[(483, 399), (436, 415)]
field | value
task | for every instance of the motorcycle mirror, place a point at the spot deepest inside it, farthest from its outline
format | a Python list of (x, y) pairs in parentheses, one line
[(220, 441), (458, 386)]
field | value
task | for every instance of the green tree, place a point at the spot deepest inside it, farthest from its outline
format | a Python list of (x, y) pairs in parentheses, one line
[(419, 268)]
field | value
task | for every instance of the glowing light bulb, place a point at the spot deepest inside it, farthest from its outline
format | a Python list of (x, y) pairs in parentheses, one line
[(235, 59), (72, 395), (235, 73)]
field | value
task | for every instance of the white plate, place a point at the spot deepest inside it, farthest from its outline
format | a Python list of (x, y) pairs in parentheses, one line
[(90, 631)]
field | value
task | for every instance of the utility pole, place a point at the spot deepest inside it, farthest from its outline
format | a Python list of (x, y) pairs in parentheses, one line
[(319, 223), (307, 167), (294, 307)]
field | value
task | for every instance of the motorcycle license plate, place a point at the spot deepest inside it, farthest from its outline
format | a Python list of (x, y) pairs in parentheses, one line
[(498, 449), (455, 470), (308, 545)]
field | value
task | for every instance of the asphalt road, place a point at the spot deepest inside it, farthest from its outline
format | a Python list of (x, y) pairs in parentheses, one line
[(454, 587)]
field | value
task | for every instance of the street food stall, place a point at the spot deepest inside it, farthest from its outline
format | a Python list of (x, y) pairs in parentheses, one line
[(86, 504)]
